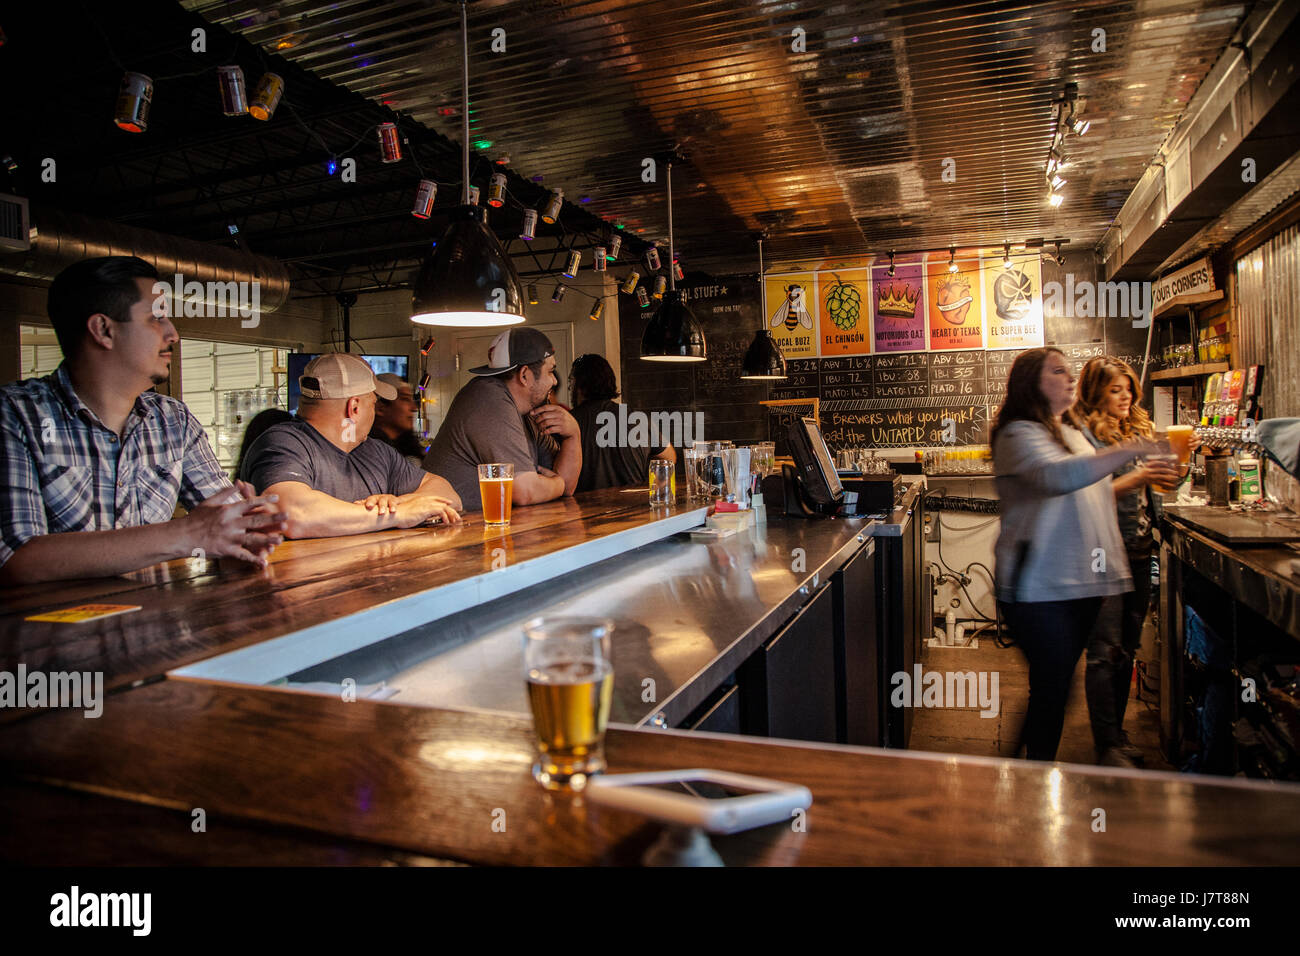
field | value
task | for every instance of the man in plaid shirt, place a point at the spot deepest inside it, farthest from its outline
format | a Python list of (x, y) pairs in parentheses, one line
[(93, 462)]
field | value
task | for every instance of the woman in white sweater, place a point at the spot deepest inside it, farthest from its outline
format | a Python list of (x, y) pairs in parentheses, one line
[(1059, 552)]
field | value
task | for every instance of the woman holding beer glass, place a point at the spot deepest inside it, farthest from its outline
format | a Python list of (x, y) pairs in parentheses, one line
[(1109, 412), (1059, 551)]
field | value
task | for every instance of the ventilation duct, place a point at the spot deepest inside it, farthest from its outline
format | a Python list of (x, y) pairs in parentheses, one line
[(63, 238)]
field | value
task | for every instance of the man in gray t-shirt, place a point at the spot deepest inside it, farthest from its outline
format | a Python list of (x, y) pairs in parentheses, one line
[(330, 476), (485, 424)]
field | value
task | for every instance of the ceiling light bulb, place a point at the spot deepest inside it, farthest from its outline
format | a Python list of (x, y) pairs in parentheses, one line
[(952, 258), (1055, 199)]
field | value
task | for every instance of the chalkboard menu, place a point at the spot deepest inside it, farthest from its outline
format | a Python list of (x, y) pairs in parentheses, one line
[(894, 399), (908, 398), (728, 309)]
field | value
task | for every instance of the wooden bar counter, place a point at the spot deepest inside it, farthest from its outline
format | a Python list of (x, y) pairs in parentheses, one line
[(290, 777)]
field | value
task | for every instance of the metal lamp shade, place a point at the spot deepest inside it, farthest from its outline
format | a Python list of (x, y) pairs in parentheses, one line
[(763, 360), (468, 281), (673, 334)]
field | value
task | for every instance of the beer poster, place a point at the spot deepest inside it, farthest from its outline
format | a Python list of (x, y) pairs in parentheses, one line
[(1014, 303), (898, 307), (790, 302), (842, 312), (955, 302)]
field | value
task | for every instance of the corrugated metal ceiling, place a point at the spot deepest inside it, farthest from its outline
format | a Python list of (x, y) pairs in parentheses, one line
[(840, 148)]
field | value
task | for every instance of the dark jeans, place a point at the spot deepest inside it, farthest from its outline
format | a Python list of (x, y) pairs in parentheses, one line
[(1111, 649), (1053, 635)]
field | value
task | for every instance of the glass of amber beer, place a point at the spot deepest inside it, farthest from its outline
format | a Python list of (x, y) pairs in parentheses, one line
[(496, 485), (1180, 441), (570, 681)]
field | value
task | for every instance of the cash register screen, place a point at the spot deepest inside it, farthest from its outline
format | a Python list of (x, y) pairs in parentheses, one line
[(813, 459)]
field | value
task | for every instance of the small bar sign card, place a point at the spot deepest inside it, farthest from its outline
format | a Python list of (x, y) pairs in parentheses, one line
[(83, 612)]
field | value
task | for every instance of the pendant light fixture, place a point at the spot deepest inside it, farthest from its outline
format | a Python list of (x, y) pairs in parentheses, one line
[(763, 360), (468, 280), (674, 334)]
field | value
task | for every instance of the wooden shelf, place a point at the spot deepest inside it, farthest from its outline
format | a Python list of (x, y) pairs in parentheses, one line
[(1186, 300), (1189, 371)]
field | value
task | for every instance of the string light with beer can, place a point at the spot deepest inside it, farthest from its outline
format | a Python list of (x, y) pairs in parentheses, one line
[(270, 88), (552, 211), (678, 274), (597, 310), (497, 191), (529, 230), (133, 101), (615, 244), (571, 268), (598, 263), (629, 284), (473, 195), (652, 259), (234, 97), (643, 297), (558, 294), (424, 196), (661, 283), (427, 346), (390, 143), (532, 295)]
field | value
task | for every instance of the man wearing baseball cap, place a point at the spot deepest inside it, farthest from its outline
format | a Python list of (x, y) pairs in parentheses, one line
[(486, 424), (331, 480)]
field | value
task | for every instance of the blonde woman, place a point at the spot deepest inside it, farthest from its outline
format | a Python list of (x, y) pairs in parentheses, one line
[(1109, 412)]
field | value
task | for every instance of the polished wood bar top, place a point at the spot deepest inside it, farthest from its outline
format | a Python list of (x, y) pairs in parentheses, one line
[(438, 784), (195, 610)]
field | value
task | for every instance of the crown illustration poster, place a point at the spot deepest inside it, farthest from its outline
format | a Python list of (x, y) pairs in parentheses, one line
[(955, 301), (842, 314), (898, 307), (1014, 300), (791, 300)]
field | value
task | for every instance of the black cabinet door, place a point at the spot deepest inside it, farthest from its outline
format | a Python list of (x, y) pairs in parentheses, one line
[(858, 652), (789, 684), (720, 714)]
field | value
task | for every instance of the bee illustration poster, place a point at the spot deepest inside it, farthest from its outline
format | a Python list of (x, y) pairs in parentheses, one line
[(842, 314), (790, 301), (1014, 303), (898, 307), (955, 303)]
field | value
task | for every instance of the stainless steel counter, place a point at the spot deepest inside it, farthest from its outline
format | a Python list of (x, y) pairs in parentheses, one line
[(687, 615), (892, 524)]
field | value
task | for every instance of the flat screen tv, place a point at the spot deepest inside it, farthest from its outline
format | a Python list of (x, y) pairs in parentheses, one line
[(379, 363)]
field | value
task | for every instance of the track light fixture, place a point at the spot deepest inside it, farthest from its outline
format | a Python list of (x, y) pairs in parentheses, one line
[(891, 264), (1006, 255), (952, 258)]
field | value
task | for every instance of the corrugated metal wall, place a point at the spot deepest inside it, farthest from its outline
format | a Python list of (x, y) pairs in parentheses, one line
[(1268, 320)]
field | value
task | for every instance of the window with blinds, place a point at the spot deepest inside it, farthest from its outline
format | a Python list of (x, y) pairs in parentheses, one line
[(225, 385), (40, 352)]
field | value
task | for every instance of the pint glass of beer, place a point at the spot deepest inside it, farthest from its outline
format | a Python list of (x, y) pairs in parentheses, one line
[(1180, 438), (570, 681), (495, 486)]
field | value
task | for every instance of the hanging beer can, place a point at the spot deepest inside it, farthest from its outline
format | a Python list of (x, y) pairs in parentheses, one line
[(390, 143), (497, 191), (133, 100), (642, 296), (266, 97), (652, 259), (629, 284), (234, 98), (615, 244), (530, 224), (571, 269), (661, 283), (599, 262), (424, 197), (552, 211)]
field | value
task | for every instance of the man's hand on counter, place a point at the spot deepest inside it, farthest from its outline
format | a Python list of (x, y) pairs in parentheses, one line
[(417, 509)]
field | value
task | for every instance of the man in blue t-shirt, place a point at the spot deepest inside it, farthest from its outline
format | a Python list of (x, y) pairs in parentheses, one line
[(331, 480)]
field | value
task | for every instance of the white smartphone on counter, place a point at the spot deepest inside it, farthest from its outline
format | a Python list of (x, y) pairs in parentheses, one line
[(713, 800)]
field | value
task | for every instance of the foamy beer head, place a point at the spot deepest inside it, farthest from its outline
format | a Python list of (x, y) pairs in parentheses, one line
[(1180, 438)]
